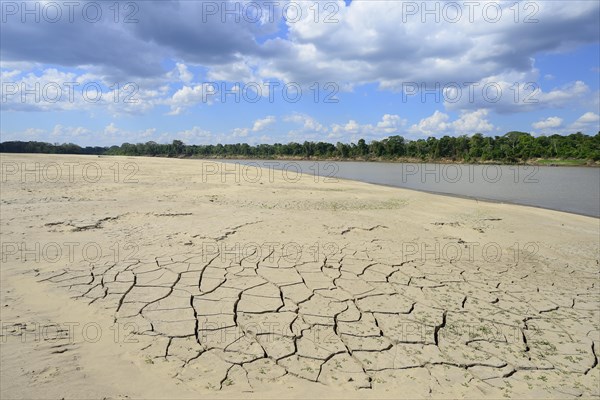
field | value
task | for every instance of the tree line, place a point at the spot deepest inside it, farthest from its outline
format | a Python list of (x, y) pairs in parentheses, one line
[(513, 147)]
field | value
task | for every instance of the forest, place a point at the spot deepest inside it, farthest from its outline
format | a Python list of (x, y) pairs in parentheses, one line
[(513, 147)]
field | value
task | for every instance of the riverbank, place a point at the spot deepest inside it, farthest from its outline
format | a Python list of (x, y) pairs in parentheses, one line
[(180, 278), (573, 190), (536, 162)]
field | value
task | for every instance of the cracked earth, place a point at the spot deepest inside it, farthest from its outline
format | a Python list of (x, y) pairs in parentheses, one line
[(242, 288)]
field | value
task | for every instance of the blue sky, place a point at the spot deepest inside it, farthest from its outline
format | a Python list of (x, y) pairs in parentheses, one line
[(532, 67)]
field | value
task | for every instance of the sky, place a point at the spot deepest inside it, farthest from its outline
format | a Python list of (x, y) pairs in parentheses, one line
[(100, 73)]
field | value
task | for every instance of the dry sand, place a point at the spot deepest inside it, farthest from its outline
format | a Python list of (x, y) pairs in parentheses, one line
[(186, 285)]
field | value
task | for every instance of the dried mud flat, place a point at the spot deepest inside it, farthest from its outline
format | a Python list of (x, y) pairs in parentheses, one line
[(197, 284)]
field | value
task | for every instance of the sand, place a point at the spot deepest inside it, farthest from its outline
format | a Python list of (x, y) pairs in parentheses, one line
[(168, 278)]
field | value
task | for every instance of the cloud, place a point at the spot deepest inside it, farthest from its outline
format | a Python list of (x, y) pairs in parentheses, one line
[(193, 135), (512, 93), (261, 124), (110, 134), (189, 96), (136, 43), (311, 129), (173, 46), (368, 44), (560, 97), (182, 73), (238, 71), (360, 43), (240, 132), (432, 125), (390, 123), (60, 132), (439, 124), (550, 122), (473, 122), (51, 89), (588, 123), (111, 129)]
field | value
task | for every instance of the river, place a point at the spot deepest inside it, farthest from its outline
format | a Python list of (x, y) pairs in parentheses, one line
[(570, 189)]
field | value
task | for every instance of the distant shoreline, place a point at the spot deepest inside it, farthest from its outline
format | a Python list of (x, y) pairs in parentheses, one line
[(513, 148), (537, 163), (540, 163)]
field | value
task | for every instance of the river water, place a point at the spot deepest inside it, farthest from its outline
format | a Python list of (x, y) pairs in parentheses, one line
[(570, 189)]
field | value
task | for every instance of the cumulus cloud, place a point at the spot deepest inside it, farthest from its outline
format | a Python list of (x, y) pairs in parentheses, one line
[(368, 44), (189, 96), (261, 124), (182, 73), (240, 132), (352, 130), (111, 129), (134, 43), (440, 124), (390, 123), (174, 45), (511, 93), (550, 122), (588, 122), (360, 43), (113, 134), (309, 126), (311, 129), (51, 89)]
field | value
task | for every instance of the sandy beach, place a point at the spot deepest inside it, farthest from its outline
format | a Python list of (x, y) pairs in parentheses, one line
[(177, 278)]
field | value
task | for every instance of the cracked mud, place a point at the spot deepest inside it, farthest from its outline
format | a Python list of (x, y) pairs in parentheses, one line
[(357, 308), (353, 319)]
